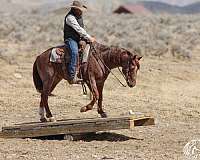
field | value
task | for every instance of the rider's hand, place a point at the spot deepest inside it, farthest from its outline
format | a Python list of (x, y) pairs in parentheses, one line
[(92, 39)]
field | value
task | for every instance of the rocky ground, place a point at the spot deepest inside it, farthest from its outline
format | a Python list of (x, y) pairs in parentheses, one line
[(167, 87)]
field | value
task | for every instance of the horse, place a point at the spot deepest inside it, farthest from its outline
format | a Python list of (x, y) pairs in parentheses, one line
[(102, 59)]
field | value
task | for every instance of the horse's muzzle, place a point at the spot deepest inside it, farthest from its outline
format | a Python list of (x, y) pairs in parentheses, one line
[(131, 84)]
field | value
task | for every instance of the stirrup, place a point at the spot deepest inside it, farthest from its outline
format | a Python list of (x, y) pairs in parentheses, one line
[(76, 80)]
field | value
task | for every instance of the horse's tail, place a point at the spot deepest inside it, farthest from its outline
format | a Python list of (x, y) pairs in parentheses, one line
[(36, 78)]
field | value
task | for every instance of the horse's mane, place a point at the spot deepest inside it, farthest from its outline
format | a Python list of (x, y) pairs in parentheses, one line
[(104, 49)]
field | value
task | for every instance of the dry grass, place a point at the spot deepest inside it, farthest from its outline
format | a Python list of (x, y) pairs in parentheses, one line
[(157, 35)]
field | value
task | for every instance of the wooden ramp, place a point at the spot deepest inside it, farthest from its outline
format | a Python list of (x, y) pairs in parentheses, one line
[(73, 126)]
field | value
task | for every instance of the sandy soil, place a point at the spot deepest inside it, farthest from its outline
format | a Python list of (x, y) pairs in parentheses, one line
[(167, 89)]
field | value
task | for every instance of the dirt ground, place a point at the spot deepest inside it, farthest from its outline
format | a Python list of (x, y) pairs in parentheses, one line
[(167, 89)]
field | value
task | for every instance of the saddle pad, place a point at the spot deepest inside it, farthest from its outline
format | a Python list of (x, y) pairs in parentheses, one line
[(56, 56)]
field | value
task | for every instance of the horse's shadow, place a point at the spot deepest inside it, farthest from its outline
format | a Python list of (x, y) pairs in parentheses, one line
[(107, 136), (89, 137)]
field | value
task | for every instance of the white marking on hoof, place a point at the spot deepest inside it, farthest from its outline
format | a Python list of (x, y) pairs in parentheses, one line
[(52, 119), (131, 112)]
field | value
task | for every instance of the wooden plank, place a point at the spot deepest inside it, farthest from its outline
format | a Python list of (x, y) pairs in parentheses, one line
[(85, 120), (75, 126), (69, 129), (2, 135), (145, 121), (65, 122)]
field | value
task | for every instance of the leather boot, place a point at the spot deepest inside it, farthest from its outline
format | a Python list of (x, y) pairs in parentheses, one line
[(75, 80)]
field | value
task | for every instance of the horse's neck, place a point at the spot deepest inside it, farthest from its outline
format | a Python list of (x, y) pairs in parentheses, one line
[(112, 58)]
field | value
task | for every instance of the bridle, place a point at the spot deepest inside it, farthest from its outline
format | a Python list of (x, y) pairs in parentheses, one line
[(125, 70), (127, 67)]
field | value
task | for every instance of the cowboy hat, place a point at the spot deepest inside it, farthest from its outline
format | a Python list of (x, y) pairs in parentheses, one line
[(78, 5)]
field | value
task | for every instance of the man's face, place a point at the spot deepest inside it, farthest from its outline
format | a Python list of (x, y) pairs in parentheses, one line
[(78, 12)]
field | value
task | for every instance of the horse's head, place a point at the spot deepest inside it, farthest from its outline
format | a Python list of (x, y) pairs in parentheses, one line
[(130, 66)]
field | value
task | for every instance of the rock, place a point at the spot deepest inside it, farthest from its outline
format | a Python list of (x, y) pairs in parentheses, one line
[(105, 157), (18, 75)]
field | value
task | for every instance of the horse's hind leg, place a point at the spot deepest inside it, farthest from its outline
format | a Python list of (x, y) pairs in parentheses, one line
[(41, 111), (47, 85)]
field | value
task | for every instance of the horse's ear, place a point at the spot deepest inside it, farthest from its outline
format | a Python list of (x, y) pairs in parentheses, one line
[(134, 57), (139, 58), (129, 53)]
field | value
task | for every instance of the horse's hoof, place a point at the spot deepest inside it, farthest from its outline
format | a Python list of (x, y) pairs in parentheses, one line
[(83, 109), (103, 115), (43, 120), (52, 119)]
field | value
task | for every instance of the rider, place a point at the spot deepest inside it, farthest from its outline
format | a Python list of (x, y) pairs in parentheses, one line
[(73, 32)]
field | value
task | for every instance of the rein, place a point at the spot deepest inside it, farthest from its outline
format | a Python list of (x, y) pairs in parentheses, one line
[(92, 46)]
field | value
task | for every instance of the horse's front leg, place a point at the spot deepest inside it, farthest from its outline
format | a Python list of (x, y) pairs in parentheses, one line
[(89, 106), (93, 88), (100, 106)]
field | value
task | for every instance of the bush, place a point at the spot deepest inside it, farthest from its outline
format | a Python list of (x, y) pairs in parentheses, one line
[(157, 35)]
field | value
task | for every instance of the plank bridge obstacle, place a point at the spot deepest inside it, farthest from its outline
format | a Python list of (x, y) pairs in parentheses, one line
[(70, 127)]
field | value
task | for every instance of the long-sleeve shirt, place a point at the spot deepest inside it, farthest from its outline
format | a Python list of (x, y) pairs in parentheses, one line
[(72, 22)]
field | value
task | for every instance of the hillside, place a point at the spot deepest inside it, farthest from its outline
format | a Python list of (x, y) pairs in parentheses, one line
[(105, 6), (192, 8), (178, 2), (159, 7)]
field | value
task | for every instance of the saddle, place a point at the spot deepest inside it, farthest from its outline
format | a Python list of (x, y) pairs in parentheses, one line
[(60, 55)]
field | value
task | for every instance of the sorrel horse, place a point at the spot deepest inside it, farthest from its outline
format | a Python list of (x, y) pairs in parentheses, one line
[(101, 61)]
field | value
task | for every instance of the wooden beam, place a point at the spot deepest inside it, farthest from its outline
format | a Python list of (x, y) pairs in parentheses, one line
[(73, 126)]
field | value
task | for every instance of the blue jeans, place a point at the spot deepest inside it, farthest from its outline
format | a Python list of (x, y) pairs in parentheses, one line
[(73, 49)]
